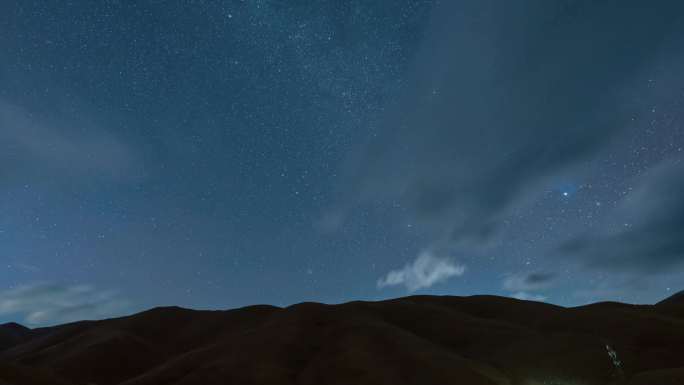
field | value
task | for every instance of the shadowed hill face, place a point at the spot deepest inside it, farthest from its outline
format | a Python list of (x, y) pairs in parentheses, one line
[(11, 374), (12, 334), (677, 298), (414, 340)]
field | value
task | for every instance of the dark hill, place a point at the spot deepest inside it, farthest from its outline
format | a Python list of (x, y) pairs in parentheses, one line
[(417, 340), (12, 334), (677, 298)]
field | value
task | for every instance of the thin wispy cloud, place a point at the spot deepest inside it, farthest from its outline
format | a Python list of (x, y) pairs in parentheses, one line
[(426, 271), (67, 146), (524, 285), (528, 281), (52, 303), (529, 296)]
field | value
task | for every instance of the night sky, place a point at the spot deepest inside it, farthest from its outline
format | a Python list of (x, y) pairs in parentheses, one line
[(217, 154)]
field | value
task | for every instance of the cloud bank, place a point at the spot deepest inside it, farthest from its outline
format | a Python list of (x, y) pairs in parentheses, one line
[(50, 303), (649, 235), (504, 96), (426, 271)]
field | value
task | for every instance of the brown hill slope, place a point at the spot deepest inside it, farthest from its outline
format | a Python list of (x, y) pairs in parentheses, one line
[(414, 340)]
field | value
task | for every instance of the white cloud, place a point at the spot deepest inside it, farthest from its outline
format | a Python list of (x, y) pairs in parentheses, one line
[(48, 303), (424, 272), (529, 296)]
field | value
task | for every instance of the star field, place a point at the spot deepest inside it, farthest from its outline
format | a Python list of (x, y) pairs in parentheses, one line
[(215, 154)]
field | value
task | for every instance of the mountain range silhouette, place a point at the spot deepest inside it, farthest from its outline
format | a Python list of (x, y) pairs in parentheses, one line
[(418, 340)]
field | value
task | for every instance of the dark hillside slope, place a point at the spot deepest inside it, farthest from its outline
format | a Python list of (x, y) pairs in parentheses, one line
[(417, 340), (12, 334), (676, 299)]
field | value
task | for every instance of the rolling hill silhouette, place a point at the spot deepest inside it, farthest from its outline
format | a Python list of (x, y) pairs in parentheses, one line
[(417, 340)]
